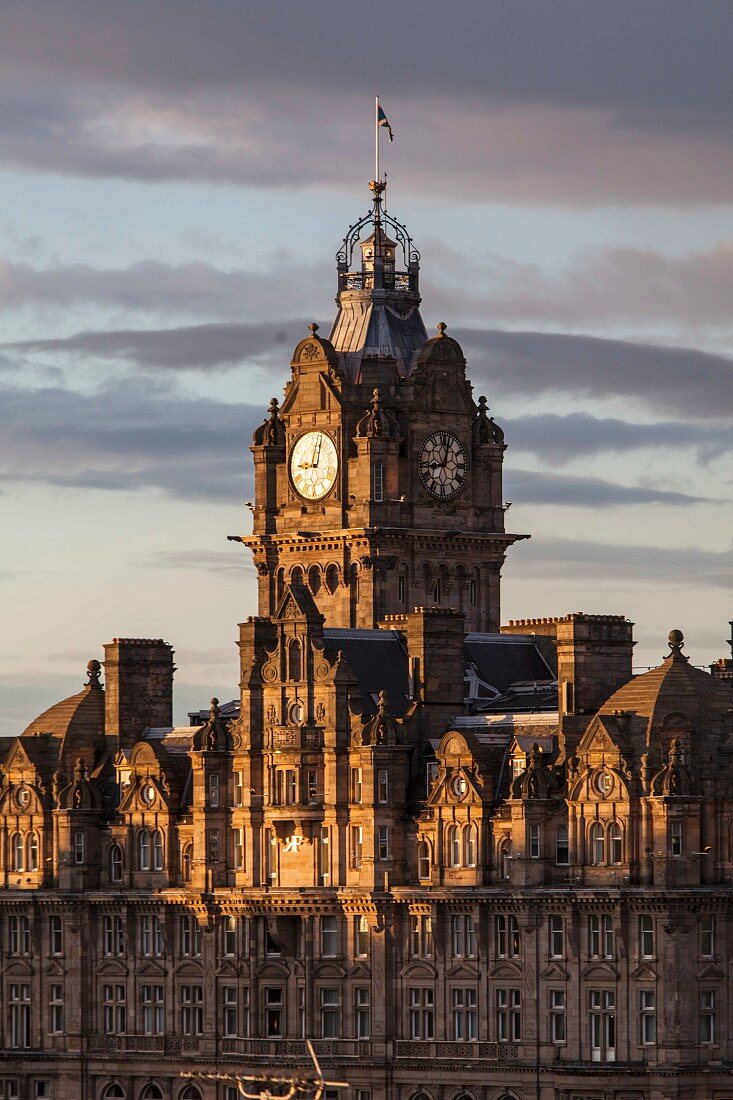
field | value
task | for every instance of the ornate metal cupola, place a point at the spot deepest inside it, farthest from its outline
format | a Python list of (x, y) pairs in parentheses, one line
[(379, 305)]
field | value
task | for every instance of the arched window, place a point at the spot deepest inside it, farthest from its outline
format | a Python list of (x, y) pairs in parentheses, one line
[(296, 575), (186, 861), (615, 843), (562, 848), (190, 1092), (454, 846), (32, 852), (157, 850), (474, 588), (469, 846), (353, 594), (597, 844), (17, 852), (332, 578), (279, 584), (461, 586), (505, 857), (151, 1092), (113, 1092), (115, 863), (314, 578), (143, 850), (295, 660), (423, 859)]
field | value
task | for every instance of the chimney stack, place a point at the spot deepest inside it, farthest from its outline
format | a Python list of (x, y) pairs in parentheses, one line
[(138, 687)]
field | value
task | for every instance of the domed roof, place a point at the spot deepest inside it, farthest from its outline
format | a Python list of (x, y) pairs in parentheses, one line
[(81, 714), (674, 688)]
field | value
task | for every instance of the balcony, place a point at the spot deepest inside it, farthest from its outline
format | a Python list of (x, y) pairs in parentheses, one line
[(434, 1051), (143, 1044), (364, 280), (296, 1049)]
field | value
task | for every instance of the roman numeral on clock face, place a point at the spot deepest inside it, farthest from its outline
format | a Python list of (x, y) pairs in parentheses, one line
[(442, 465)]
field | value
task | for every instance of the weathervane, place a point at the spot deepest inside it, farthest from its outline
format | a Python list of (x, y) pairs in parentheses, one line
[(297, 1086)]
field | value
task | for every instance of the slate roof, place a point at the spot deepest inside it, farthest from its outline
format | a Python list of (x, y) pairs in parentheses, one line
[(503, 659), (524, 697), (378, 659)]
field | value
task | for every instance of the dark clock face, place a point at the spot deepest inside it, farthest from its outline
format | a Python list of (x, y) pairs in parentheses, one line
[(443, 465)]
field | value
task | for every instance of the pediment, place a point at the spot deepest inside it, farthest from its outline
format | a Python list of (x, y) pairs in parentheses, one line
[(112, 968), (359, 970), (329, 970), (151, 969), (597, 739), (644, 972), (462, 970), (272, 969), (189, 969), (419, 970), (54, 968), (506, 969), (710, 973), (227, 969), (554, 972), (19, 968), (17, 757), (600, 972)]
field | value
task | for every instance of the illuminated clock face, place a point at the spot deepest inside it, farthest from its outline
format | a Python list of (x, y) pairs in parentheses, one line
[(313, 465), (443, 465)]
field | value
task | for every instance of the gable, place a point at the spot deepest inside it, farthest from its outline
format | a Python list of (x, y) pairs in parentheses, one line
[(601, 972), (506, 969)]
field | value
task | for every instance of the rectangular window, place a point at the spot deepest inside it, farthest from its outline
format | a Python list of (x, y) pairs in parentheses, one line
[(330, 1013), (357, 845), (329, 936), (507, 937), (646, 936), (324, 858), (273, 1012), (244, 1030), (229, 1021), (311, 782), (238, 789), (20, 936), (600, 936), (191, 937), (270, 853), (557, 937), (508, 1015), (401, 588), (675, 839), (534, 842), (602, 1025), (557, 1015), (214, 791), (301, 1012), (356, 791), (707, 1016), (707, 936), (114, 1009), (383, 842), (421, 1010), (238, 849), (9, 1088), (191, 1009), (377, 481), (79, 848), (421, 935), (56, 1009), (362, 1013), (229, 936), (56, 936), (463, 936), (383, 786), (647, 1017), (463, 1011), (431, 774), (152, 1017), (20, 1015), (361, 937), (151, 937), (562, 846)]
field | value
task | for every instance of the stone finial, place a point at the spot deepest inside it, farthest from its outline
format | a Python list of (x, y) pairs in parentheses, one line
[(271, 431), (441, 327), (676, 641), (377, 421), (313, 328), (94, 671), (382, 704), (214, 710), (485, 428)]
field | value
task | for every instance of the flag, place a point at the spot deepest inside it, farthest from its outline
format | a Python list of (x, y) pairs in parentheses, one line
[(383, 121)]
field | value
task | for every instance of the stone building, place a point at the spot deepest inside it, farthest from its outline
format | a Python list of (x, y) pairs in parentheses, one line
[(466, 861)]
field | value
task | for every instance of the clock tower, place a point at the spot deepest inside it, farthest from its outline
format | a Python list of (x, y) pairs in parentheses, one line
[(378, 480)]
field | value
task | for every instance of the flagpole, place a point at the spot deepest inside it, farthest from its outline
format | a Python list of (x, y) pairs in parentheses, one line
[(376, 139)]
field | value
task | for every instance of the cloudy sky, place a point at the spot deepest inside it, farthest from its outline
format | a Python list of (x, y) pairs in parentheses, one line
[(176, 177)]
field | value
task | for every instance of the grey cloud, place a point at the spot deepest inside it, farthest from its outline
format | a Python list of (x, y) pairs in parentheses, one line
[(235, 560), (195, 347), (534, 487), (564, 438), (685, 381), (128, 437), (570, 102), (685, 566)]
